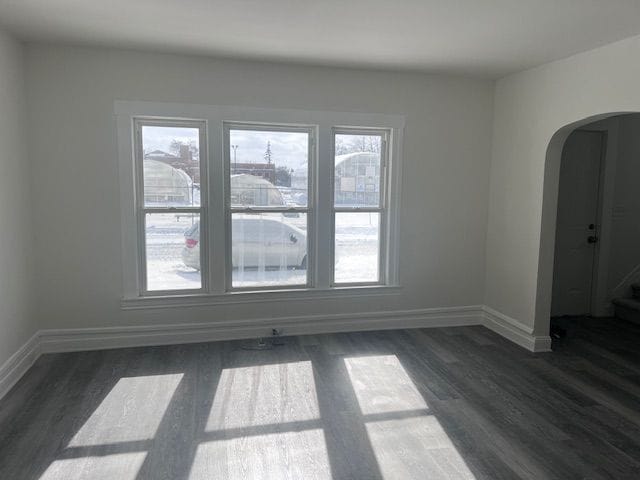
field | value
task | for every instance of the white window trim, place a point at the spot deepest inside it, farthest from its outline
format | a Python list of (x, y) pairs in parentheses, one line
[(214, 118), (257, 296), (142, 210)]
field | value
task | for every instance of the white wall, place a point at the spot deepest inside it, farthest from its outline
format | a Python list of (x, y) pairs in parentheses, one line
[(529, 108), (16, 248), (76, 201)]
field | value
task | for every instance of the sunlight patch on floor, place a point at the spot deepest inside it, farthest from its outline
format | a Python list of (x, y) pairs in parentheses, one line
[(131, 411), (285, 455), (121, 466), (416, 448), (382, 385), (413, 444), (264, 395)]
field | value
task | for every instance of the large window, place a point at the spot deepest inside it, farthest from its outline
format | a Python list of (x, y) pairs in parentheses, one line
[(263, 201)]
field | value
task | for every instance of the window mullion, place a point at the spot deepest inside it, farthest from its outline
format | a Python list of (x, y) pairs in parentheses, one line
[(217, 209), (323, 215)]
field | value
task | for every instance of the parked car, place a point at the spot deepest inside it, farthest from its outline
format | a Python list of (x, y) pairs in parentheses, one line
[(260, 242)]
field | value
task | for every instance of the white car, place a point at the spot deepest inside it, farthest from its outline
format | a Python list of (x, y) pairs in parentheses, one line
[(260, 242)]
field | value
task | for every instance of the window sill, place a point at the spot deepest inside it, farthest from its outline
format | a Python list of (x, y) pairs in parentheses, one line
[(255, 296)]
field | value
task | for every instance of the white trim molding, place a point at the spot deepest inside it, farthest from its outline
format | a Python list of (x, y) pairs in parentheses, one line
[(67, 340), (18, 364), (516, 331), (82, 339)]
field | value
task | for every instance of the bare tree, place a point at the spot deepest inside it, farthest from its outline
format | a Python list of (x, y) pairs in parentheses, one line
[(283, 176), (360, 143), (267, 154), (341, 147), (175, 145)]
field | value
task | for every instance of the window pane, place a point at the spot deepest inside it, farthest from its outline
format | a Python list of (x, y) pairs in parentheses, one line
[(357, 247), (171, 166), (357, 170), (268, 168), (269, 249), (172, 251)]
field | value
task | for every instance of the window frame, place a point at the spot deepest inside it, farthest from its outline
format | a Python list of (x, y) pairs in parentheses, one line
[(214, 289), (139, 122), (385, 135), (309, 211)]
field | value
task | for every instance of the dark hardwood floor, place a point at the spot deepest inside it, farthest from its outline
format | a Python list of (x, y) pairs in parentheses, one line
[(425, 404)]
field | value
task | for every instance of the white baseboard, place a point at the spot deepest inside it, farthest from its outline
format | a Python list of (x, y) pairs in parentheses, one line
[(66, 340), (13, 369), (80, 339), (515, 331)]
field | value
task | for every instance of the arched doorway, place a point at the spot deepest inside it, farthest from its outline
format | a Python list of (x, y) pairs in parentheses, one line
[(548, 234)]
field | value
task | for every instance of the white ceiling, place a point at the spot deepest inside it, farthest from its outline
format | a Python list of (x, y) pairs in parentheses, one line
[(488, 38)]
